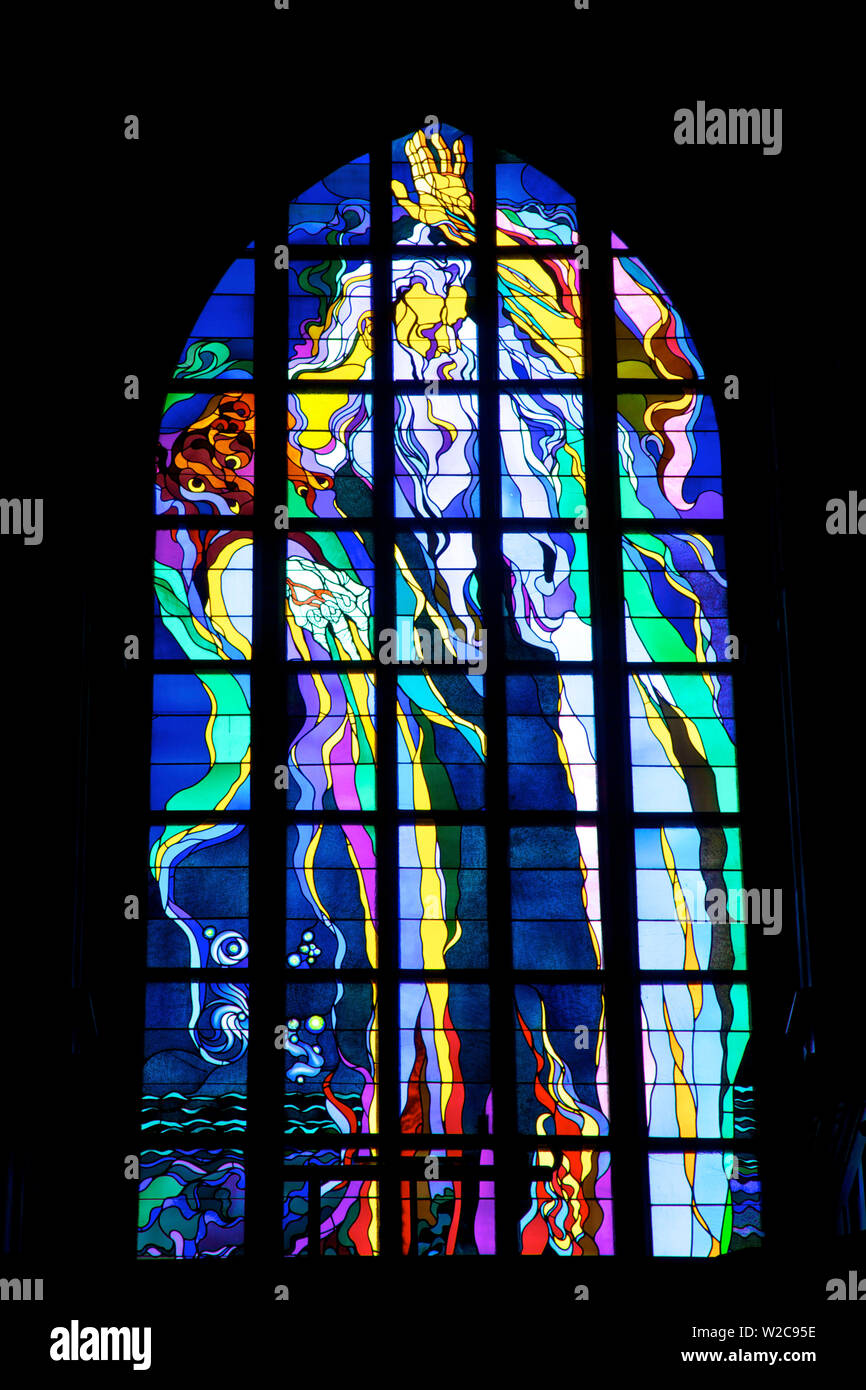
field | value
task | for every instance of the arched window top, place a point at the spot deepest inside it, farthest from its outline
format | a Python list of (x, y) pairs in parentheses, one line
[(220, 345), (668, 438)]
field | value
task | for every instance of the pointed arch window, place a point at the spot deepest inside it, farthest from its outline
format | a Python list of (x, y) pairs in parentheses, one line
[(442, 953)]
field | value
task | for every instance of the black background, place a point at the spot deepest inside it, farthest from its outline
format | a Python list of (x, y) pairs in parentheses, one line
[(117, 244)]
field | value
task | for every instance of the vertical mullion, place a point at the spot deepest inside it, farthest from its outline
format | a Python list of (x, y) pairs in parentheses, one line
[(315, 1177), (630, 1178), (386, 707), (508, 1161), (265, 1139)]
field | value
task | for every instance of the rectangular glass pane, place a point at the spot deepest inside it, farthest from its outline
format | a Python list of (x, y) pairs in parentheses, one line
[(547, 595), (206, 455), (556, 917), (561, 1059), (331, 897), (682, 743), (336, 210), (669, 460), (330, 1044), (348, 1206), (437, 600), (329, 454), (436, 456), (329, 596), (221, 342), (540, 326), (331, 763), (551, 742), (689, 885), (191, 1204), (651, 338), (676, 597), (695, 1038), (532, 209), (203, 595), (451, 1210), (432, 179), (704, 1204), (198, 896), (443, 897), (570, 1208), (434, 334), (441, 740), (445, 1085), (542, 456), (195, 1056), (200, 758), (330, 320)]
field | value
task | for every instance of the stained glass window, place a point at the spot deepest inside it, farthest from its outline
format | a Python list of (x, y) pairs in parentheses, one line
[(444, 790)]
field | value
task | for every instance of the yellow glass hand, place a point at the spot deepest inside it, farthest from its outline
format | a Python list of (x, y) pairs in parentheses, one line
[(443, 200)]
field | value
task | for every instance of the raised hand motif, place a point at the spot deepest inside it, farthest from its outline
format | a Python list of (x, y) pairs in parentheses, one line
[(443, 200)]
